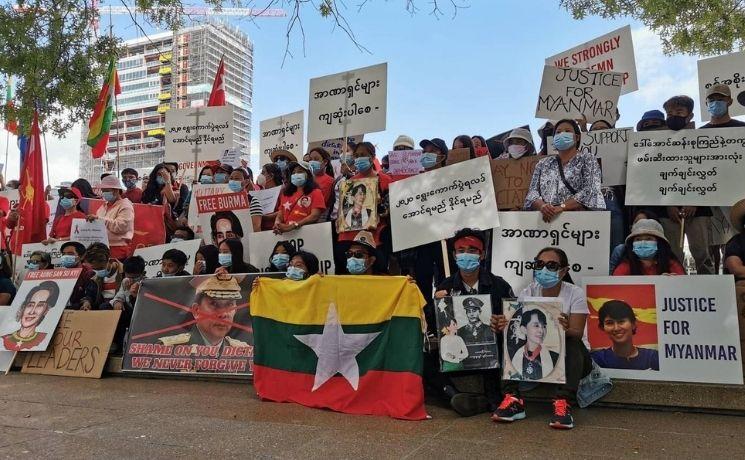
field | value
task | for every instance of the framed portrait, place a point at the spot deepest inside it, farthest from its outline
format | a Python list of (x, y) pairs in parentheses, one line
[(358, 205), (466, 340), (534, 341)]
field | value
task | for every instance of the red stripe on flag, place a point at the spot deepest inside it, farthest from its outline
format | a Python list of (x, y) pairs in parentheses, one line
[(395, 394)]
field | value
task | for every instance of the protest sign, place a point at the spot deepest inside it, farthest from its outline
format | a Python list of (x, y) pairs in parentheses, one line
[(231, 157), (519, 342), (283, 133), (728, 70), (405, 162), (613, 51), (224, 215), (54, 250), (686, 168), (85, 232), (335, 147), (315, 238), (28, 324), (150, 228), (572, 93), (192, 324), (79, 346), (458, 156), (583, 235), (153, 255), (12, 195), (268, 198), (358, 205), (433, 205), (54, 208), (610, 147), (512, 180), (681, 328), (200, 190), (348, 102), (204, 132), (6, 361), (466, 340)]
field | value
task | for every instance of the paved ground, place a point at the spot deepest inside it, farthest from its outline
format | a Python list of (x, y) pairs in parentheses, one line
[(59, 417)]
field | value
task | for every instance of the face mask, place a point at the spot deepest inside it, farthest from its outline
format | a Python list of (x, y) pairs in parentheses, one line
[(349, 159), (220, 178), (68, 261), (362, 164), (295, 273), (108, 196), (516, 151), (102, 273), (226, 260), (717, 108), (205, 180), (563, 141), (546, 278), (32, 266), (676, 123), (645, 249), (298, 180), (160, 180), (261, 180), (280, 260), (467, 262), (235, 186), (67, 203), (130, 183), (176, 239), (356, 266), (315, 166), (282, 164), (428, 160)]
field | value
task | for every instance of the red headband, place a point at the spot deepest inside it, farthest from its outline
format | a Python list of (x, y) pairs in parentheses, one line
[(469, 241)]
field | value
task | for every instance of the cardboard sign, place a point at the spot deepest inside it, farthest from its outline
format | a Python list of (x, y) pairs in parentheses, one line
[(456, 156), (728, 70), (335, 147), (267, 197), (28, 324), (85, 232), (610, 147), (583, 235), (79, 346), (571, 93), (685, 330), (358, 205), (283, 133), (512, 180), (315, 238), (431, 206), (405, 162), (613, 51), (202, 131), (154, 254), (348, 102), (686, 168)]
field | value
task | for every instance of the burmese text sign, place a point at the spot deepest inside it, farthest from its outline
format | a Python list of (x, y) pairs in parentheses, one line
[(315, 238), (153, 255), (283, 133), (727, 70)]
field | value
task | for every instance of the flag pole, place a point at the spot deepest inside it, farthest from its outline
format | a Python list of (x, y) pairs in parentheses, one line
[(46, 159), (118, 141), (5, 165)]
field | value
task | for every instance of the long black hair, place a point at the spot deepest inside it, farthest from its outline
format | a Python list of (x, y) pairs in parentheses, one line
[(575, 126), (290, 188), (310, 260), (151, 194), (209, 252), (86, 191), (236, 249), (326, 157), (663, 257), (289, 249), (467, 144), (563, 260), (271, 169)]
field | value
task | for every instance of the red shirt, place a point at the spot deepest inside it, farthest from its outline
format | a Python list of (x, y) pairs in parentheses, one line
[(134, 195), (326, 184), (298, 206), (384, 181), (624, 269), (62, 226)]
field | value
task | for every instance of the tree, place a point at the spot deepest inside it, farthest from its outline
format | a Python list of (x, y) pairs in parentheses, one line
[(699, 27)]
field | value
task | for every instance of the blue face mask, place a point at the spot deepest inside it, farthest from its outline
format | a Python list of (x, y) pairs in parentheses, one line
[(68, 260), (546, 278), (282, 164), (32, 266), (645, 249), (349, 160), (220, 178), (315, 166), (298, 180), (226, 260), (428, 160), (563, 141), (176, 239), (356, 266), (295, 273), (717, 108), (160, 180), (205, 180), (468, 262), (281, 261), (67, 203), (130, 184), (362, 164), (108, 196), (235, 186), (102, 273)]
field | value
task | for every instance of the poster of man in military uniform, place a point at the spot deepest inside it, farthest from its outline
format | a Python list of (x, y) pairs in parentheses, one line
[(471, 316)]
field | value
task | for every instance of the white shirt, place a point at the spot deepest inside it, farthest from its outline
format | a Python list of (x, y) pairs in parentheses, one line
[(573, 299)]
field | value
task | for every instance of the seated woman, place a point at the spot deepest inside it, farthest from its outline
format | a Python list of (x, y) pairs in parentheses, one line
[(39, 260), (205, 261), (301, 201), (62, 225), (569, 181), (302, 265), (518, 144), (551, 273), (648, 252), (230, 258), (618, 252), (281, 254), (617, 319), (240, 180)]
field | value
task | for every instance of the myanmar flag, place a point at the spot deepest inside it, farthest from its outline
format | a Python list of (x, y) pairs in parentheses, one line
[(103, 112), (348, 343)]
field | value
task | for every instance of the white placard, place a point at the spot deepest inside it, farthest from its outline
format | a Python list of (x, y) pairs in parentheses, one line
[(346, 103), (315, 238), (12, 195), (230, 157), (687, 324), (85, 232), (571, 93), (729, 70), (154, 254), (267, 198), (54, 250), (583, 235), (204, 131), (612, 52), (405, 162), (234, 217), (53, 205), (335, 147), (200, 190), (610, 147), (283, 133), (702, 167), (433, 205)]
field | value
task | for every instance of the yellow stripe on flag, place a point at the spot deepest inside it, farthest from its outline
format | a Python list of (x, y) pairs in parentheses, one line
[(358, 299), (645, 315)]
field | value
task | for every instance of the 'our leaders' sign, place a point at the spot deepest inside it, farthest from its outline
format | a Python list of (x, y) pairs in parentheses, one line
[(572, 93)]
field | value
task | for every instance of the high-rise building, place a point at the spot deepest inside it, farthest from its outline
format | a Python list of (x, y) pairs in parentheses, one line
[(173, 70)]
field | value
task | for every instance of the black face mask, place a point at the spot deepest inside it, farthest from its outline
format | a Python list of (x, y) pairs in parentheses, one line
[(676, 123)]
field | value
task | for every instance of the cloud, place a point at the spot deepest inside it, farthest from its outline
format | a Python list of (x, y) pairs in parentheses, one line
[(63, 155)]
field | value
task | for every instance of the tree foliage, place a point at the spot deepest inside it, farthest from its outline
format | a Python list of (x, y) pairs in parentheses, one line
[(699, 27)]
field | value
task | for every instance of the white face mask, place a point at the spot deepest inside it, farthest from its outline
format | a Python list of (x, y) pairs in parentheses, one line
[(261, 180), (516, 151)]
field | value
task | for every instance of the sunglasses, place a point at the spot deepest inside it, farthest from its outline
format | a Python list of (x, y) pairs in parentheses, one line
[(356, 254), (553, 266)]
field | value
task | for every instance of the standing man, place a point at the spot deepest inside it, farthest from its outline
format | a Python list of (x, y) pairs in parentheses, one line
[(718, 102)]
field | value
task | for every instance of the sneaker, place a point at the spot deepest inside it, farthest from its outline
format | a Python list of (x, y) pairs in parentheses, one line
[(562, 418), (510, 410), (469, 404)]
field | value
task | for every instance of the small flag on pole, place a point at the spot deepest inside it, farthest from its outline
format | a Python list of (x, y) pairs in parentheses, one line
[(103, 112)]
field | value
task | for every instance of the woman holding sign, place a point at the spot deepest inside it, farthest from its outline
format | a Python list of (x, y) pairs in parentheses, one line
[(569, 181)]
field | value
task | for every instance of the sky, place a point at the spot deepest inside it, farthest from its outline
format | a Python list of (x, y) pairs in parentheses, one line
[(476, 73)]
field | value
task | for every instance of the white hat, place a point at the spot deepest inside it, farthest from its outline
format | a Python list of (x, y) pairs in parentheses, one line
[(647, 227), (519, 133), (111, 182), (404, 141)]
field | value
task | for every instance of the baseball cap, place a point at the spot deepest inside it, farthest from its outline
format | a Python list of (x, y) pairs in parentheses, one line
[(437, 143), (719, 88)]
